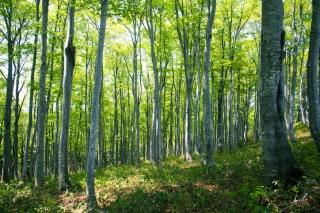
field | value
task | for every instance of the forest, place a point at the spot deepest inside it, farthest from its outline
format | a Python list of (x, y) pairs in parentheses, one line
[(159, 106)]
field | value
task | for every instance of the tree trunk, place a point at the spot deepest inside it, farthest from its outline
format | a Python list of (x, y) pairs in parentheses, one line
[(220, 127), (136, 108), (313, 74), (211, 4), (33, 68), (178, 114), (94, 128), (17, 110), (277, 157), (149, 151), (56, 141), (156, 117), (292, 94), (114, 143), (69, 57), (188, 127), (41, 114), (197, 141), (6, 173)]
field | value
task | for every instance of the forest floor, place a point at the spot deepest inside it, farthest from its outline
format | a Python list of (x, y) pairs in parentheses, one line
[(235, 185)]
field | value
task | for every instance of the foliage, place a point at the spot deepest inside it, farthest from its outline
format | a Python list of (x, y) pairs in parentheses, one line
[(236, 184)]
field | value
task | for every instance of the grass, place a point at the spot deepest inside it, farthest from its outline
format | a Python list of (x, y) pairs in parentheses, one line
[(235, 185)]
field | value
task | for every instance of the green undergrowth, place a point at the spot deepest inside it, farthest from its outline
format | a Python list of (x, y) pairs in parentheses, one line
[(234, 185)]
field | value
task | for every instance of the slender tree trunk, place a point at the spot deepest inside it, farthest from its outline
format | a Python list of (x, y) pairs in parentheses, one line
[(231, 139), (188, 127), (178, 114), (100, 134), (58, 107), (94, 128), (149, 151), (33, 142), (87, 84), (303, 100), (211, 4), (33, 68), (257, 109), (6, 173), (122, 128), (39, 166), (114, 143), (313, 74), (69, 57), (302, 96), (220, 127), (136, 111), (15, 147), (183, 30), (56, 142), (197, 142), (170, 145), (128, 131), (292, 94), (165, 120), (156, 117)]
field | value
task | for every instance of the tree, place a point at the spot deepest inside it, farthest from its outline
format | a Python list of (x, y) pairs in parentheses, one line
[(277, 157), (206, 84), (20, 59), (69, 56), (30, 114), (14, 23), (313, 74), (94, 128), (135, 16), (184, 30), (293, 49), (7, 15), (155, 145), (41, 114)]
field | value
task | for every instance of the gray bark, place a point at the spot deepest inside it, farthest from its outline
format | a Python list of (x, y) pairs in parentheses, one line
[(277, 157), (183, 35), (122, 128), (41, 114), (170, 142), (16, 120), (56, 141), (94, 128), (155, 142), (313, 74), (208, 128), (292, 92), (69, 57), (149, 151), (17, 108), (178, 114), (33, 142), (58, 107), (30, 120), (135, 36), (197, 142), (220, 126), (188, 124), (114, 143)]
